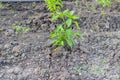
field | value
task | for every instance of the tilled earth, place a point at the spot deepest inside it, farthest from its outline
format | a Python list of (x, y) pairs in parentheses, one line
[(28, 56)]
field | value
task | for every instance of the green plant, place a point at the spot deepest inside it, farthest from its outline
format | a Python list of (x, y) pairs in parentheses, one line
[(81, 69), (98, 70), (104, 2), (54, 5), (67, 17), (63, 35), (20, 28)]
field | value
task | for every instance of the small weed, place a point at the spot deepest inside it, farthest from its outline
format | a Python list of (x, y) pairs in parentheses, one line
[(102, 12), (81, 69), (93, 8), (87, 5), (98, 70), (101, 68), (20, 28), (104, 3)]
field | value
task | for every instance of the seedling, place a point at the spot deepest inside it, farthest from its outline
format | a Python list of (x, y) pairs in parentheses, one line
[(20, 28), (81, 69), (93, 8), (63, 35), (68, 18), (104, 2), (54, 5), (98, 70)]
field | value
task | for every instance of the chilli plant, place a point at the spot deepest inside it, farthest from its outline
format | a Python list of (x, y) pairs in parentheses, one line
[(63, 35), (54, 5)]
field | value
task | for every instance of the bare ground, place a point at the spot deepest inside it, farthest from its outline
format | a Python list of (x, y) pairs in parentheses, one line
[(27, 56)]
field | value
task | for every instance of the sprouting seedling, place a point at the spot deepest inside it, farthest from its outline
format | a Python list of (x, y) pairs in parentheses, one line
[(104, 2), (87, 5), (20, 28)]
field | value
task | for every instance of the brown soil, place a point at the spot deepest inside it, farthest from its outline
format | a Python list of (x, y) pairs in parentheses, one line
[(27, 56)]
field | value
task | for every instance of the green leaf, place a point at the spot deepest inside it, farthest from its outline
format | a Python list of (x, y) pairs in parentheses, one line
[(18, 28), (27, 29), (77, 25), (62, 43), (69, 22), (75, 17), (70, 44), (55, 17), (69, 37), (54, 5), (78, 35), (59, 27), (68, 33), (52, 34), (66, 11), (55, 42)]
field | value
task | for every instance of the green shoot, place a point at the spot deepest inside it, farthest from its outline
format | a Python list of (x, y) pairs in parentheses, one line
[(20, 28)]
